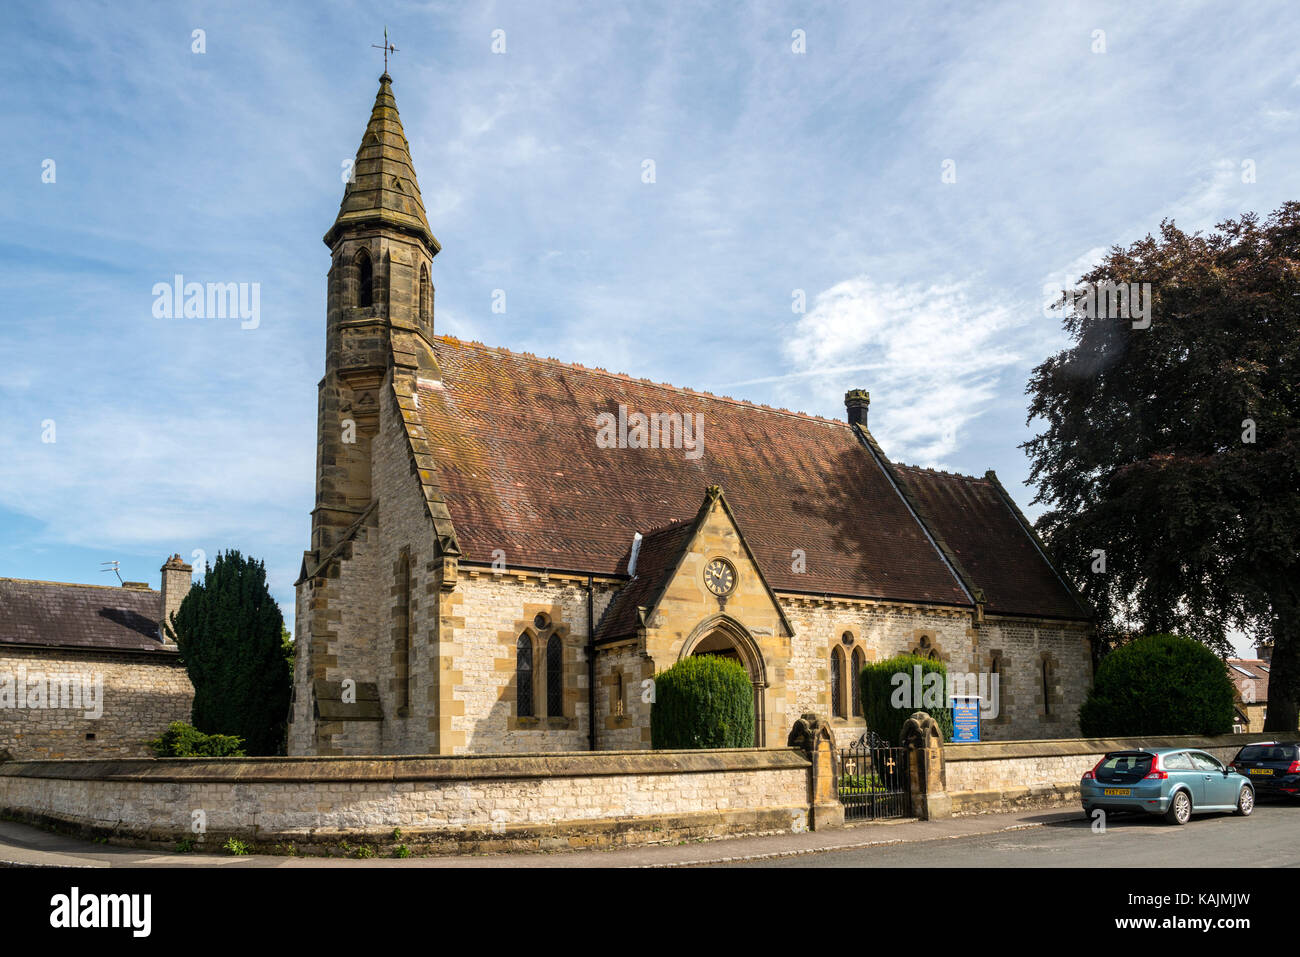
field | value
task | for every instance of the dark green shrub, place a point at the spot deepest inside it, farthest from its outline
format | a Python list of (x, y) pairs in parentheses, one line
[(890, 695), (182, 740), (1160, 684), (231, 638), (703, 702)]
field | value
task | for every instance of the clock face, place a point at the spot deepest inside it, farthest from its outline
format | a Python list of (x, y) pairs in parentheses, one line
[(719, 576)]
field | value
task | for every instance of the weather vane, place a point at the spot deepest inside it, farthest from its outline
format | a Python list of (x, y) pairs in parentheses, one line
[(387, 48)]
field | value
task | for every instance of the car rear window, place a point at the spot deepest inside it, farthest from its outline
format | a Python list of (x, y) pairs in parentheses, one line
[(1127, 767), (1268, 752)]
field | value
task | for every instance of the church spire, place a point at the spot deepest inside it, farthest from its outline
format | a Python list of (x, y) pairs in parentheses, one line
[(383, 190)]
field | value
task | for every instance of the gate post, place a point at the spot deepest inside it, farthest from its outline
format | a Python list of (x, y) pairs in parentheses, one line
[(814, 738), (925, 771)]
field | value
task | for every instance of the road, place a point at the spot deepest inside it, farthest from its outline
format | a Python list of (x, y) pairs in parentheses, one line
[(1268, 838)]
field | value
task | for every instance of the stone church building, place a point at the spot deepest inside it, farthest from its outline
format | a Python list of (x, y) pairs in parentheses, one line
[(505, 549)]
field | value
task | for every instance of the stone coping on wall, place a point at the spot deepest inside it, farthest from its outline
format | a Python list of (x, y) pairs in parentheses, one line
[(409, 768), (1055, 747)]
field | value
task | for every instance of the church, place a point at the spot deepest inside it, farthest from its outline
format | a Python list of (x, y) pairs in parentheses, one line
[(505, 549)]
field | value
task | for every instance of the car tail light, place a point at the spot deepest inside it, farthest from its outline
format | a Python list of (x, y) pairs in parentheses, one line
[(1294, 769), (1156, 774), (1092, 775)]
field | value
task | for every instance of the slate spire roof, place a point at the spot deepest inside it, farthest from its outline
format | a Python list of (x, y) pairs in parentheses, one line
[(384, 190)]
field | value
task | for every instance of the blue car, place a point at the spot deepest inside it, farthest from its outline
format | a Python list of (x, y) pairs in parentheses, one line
[(1173, 782)]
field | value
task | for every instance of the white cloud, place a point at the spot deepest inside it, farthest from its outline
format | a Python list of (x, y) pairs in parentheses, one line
[(933, 355)]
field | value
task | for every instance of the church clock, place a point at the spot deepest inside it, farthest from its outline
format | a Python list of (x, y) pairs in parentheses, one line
[(720, 576)]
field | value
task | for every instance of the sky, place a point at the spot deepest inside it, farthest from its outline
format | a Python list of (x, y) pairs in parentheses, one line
[(916, 175)]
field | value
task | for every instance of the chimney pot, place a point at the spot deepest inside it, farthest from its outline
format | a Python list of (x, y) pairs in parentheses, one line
[(856, 402)]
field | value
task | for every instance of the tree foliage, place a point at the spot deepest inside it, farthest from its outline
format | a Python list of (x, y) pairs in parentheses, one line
[(1161, 684), (1175, 449), (182, 740), (703, 702), (229, 632)]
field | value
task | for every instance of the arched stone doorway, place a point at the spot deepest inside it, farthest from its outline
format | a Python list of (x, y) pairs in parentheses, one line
[(724, 637)]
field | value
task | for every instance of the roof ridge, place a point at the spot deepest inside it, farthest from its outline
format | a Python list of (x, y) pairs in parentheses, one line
[(626, 377), (926, 468), (117, 588)]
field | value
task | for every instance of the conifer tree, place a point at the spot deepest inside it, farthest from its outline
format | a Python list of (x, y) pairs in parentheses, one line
[(229, 631)]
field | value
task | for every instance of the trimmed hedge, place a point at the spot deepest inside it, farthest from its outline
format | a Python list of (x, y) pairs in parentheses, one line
[(702, 702), (1160, 684), (182, 740), (888, 701)]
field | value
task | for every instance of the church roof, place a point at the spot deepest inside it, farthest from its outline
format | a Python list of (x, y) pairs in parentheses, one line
[(514, 439), (80, 616), (383, 187), (991, 541)]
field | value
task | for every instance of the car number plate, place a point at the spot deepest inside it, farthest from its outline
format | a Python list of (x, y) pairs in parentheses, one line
[(1118, 792), (1261, 770)]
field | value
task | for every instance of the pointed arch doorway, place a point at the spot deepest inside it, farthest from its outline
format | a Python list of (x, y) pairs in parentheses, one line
[(724, 637)]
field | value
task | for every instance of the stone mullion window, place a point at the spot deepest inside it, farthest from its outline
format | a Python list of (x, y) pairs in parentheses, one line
[(524, 671), (837, 683), (859, 660), (554, 677)]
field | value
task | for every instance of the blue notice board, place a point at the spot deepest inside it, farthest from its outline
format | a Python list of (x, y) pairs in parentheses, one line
[(966, 718)]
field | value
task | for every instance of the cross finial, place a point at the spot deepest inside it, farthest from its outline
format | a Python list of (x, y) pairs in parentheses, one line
[(387, 48)]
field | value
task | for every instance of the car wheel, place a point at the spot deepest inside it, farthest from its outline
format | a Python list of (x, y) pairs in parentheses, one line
[(1180, 809), (1246, 801)]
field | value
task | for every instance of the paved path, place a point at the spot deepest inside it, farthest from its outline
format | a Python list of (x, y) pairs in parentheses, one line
[(20, 844)]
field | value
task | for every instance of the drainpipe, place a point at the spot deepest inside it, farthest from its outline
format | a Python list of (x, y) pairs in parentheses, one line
[(591, 663)]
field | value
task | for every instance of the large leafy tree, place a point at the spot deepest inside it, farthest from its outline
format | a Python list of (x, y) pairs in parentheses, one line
[(230, 634), (1175, 449)]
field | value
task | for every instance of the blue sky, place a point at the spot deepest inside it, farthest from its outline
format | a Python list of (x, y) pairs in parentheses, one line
[(774, 172)]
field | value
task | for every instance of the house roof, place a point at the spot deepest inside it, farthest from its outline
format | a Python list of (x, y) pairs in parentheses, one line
[(80, 616), (514, 439), (1250, 672), (991, 541)]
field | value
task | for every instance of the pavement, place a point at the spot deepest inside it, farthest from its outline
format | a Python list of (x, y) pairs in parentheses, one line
[(23, 845)]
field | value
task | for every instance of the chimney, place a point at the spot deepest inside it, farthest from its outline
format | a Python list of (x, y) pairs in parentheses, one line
[(176, 583), (855, 403), (1264, 650)]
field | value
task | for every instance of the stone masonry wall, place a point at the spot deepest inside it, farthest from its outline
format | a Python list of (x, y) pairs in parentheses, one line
[(140, 697), (534, 801)]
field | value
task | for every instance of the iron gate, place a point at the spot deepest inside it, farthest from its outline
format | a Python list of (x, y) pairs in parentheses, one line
[(872, 780)]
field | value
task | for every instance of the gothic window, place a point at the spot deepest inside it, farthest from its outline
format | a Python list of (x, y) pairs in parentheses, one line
[(424, 294), (524, 677), (837, 683), (616, 699), (1047, 688), (365, 280), (855, 678), (554, 677)]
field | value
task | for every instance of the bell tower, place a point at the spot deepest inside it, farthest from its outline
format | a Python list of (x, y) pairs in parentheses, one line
[(379, 314)]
